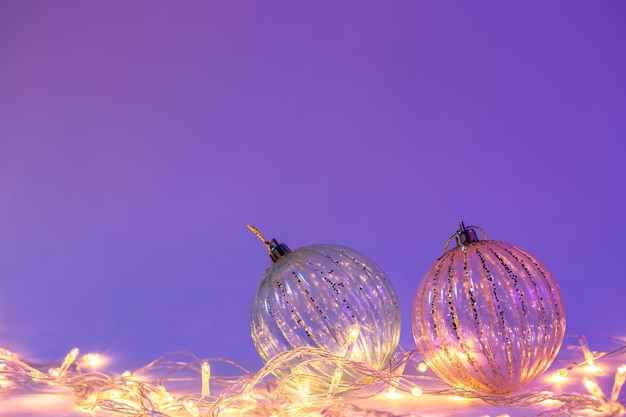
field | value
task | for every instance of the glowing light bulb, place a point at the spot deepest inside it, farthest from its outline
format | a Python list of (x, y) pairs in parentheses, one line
[(70, 358), (303, 389), (417, 392), (191, 408), (591, 367), (301, 384), (589, 358), (334, 382), (594, 389), (620, 377), (422, 367), (114, 393), (206, 375), (559, 376), (90, 360), (165, 398)]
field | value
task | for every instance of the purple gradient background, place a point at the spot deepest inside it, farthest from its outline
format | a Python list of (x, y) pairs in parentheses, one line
[(137, 140)]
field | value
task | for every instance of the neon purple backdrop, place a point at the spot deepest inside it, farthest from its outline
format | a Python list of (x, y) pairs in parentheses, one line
[(137, 140)]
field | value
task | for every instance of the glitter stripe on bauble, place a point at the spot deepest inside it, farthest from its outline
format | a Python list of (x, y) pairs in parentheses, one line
[(488, 316), (329, 297)]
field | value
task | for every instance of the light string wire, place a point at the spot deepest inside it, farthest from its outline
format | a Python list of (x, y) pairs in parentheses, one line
[(165, 387)]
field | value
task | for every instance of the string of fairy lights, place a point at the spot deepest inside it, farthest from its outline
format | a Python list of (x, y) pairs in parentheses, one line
[(182, 385)]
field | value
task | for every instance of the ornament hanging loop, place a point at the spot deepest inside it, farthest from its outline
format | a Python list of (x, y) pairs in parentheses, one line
[(259, 235), (276, 250), (464, 236)]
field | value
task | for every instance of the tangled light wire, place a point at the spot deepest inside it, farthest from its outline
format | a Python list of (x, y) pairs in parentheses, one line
[(165, 387)]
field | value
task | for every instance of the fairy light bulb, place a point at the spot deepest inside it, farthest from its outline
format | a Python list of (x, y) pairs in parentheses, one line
[(620, 376), (206, 376), (191, 408), (594, 389), (329, 297), (488, 316), (90, 360), (559, 376), (70, 358), (591, 367), (334, 382)]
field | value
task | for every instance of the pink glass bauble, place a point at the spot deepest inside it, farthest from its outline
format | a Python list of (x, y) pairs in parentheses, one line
[(488, 316)]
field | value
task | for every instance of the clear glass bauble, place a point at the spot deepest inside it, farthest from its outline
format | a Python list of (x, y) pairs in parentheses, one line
[(313, 296), (488, 316)]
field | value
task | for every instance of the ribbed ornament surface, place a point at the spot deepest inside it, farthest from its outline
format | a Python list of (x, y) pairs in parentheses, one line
[(489, 317), (312, 296)]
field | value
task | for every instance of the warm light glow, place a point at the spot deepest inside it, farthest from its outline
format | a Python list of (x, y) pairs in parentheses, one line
[(301, 384), (590, 385), (90, 360), (191, 408), (559, 376), (355, 329), (4, 352), (591, 367), (303, 388), (422, 367), (417, 392), (594, 389), (113, 393), (392, 393), (162, 398)]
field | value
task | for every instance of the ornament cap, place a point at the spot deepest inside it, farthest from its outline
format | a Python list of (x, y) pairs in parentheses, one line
[(276, 250), (465, 236)]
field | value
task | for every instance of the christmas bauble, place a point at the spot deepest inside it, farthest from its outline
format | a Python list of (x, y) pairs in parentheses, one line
[(488, 315), (317, 296)]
